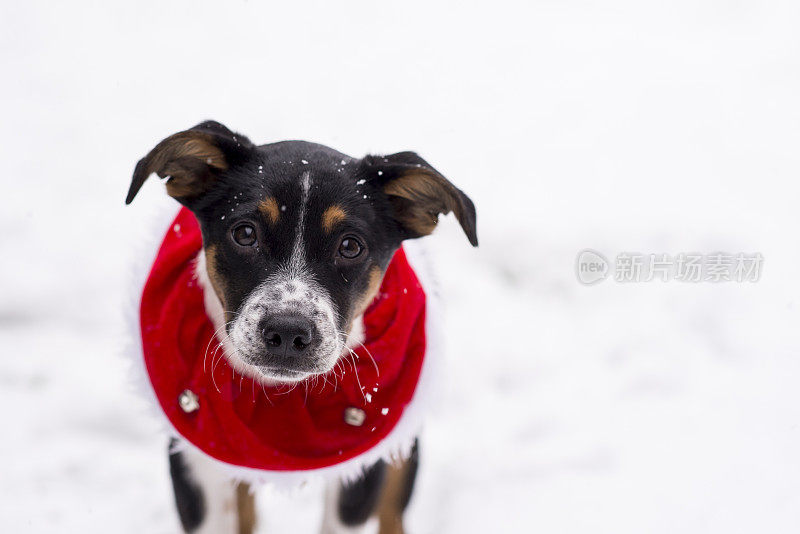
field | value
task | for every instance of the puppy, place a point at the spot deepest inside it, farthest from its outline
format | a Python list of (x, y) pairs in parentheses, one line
[(297, 241)]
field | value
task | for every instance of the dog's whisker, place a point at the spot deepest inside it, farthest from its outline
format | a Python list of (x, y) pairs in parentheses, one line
[(288, 391), (214, 337), (266, 396), (353, 356), (214, 366), (377, 371), (210, 341), (345, 338), (338, 366)]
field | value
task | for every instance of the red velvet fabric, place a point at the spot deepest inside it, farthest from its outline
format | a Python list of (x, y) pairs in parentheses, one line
[(276, 428)]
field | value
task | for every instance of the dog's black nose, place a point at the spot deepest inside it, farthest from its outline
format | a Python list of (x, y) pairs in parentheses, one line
[(289, 335)]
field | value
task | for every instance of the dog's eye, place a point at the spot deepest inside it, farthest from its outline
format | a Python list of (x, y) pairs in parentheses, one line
[(350, 248), (244, 235)]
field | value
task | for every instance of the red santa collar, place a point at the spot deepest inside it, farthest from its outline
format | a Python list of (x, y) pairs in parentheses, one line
[(243, 424)]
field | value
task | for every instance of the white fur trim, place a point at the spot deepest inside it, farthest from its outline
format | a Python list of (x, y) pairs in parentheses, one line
[(154, 218), (395, 446)]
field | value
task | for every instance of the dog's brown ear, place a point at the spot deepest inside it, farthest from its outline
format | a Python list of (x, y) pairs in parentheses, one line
[(191, 160), (419, 194)]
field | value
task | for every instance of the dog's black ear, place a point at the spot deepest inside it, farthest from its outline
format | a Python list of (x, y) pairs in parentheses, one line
[(191, 160), (419, 193)]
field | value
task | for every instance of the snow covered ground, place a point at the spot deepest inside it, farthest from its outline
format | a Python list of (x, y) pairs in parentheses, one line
[(626, 408)]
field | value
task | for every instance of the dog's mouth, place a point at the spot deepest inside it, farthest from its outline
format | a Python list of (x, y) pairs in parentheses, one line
[(283, 374), (261, 364), (290, 371)]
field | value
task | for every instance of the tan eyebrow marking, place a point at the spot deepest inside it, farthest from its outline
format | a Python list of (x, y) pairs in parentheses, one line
[(332, 216), (269, 208)]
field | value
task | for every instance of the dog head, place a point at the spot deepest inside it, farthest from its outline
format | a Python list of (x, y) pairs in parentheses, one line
[(296, 237)]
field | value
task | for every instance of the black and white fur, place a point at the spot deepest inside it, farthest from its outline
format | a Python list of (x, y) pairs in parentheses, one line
[(296, 238)]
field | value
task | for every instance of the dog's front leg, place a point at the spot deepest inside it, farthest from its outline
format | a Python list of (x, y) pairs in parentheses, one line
[(208, 501), (382, 493)]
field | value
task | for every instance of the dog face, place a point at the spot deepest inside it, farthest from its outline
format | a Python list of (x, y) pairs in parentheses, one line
[(297, 236)]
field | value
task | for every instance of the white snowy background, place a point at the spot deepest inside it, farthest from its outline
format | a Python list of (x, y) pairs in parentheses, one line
[(660, 127)]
